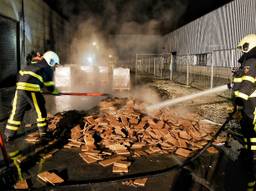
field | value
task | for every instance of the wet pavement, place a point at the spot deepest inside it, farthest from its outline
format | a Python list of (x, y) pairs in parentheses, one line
[(218, 172)]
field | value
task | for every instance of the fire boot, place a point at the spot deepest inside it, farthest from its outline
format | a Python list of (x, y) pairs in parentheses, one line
[(44, 135), (10, 135)]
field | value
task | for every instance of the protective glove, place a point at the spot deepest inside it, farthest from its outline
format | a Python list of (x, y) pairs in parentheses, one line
[(230, 85), (55, 92), (10, 134)]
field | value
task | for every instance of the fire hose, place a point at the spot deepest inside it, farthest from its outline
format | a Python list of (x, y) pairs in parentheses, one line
[(155, 172), (92, 94)]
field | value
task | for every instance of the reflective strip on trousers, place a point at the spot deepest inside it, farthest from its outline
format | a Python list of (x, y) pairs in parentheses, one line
[(252, 140), (41, 119), (253, 147), (10, 127), (41, 124), (39, 114), (13, 122)]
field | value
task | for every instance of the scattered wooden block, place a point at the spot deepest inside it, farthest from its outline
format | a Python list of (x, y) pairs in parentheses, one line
[(111, 161), (88, 159), (122, 164), (183, 152), (140, 181), (21, 185), (119, 169), (50, 177)]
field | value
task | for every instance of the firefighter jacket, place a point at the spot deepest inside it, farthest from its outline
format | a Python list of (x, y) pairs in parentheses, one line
[(245, 84), (36, 78)]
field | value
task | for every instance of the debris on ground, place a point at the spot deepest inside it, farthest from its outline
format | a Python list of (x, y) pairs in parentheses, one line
[(21, 185), (50, 177), (121, 131), (136, 182)]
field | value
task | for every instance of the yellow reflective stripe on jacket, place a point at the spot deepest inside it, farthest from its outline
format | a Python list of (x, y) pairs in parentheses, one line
[(14, 153), (22, 72), (248, 78), (28, 89), (28, 86), (253, 94), (13, 122), (237, 80), (10, 127), (241, 95), (50, 83), (39, 114)]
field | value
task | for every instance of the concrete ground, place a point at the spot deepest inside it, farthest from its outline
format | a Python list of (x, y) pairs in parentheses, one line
[(221, 171)]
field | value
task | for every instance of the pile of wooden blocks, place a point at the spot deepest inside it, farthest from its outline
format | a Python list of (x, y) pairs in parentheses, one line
[(121, 130)]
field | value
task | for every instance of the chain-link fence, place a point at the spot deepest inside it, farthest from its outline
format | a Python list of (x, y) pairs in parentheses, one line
[(155, 65), (201, 71)]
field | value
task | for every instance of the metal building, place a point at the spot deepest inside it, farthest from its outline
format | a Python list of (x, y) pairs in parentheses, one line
[(204, 51)]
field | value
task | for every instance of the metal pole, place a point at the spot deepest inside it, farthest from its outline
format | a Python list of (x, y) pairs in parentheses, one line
[(187, 83), (211, 73), (154, 66), (170, 67)]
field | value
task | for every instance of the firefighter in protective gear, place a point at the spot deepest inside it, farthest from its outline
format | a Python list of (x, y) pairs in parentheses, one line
[(32, 81), (244, 90), (33, 57)]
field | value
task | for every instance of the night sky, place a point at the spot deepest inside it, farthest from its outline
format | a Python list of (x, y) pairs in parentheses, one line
[(135, 16)]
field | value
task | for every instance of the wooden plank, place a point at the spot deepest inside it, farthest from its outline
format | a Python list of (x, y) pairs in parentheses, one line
[(111, 161), (119, 169), (183, 152), (88, 159), (21, 185), (122, 164), (140, 181)]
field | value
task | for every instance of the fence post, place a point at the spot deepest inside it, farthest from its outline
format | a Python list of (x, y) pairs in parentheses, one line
[(187, 83), (154, 66), (211, 85), (170, 67)]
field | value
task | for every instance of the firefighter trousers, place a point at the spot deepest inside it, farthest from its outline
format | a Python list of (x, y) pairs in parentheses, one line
[(21, 102), (249, 134)]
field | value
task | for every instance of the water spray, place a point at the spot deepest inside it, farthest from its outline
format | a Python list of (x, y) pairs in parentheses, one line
[(172, 102)]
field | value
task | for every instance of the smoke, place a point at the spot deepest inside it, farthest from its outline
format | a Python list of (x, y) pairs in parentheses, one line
[(118, 28)]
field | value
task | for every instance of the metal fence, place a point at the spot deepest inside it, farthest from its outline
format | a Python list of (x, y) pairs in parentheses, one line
[(184, 69), (155, 65)]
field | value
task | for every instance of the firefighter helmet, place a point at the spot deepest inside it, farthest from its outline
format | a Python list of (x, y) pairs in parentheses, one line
[(51, 58), (247, 43)]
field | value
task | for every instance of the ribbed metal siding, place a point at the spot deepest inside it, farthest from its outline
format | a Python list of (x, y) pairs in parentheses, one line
[(8, 52), (217, 32)]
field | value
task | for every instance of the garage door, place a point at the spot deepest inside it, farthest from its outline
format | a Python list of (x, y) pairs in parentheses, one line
[(9, 63), (8, 52)]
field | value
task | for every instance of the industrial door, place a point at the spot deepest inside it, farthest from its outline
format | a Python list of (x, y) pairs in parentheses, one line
[(9, 63), (8, 52)]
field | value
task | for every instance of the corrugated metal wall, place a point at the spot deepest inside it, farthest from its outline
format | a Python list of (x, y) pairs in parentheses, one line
[(217, 33)]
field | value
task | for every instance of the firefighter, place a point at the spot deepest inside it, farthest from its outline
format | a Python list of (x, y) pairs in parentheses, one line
[(33, 57), (244, 90), (32, 80)]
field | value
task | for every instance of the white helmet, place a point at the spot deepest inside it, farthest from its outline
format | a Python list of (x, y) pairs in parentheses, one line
[(51, 58), (247, 43)]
